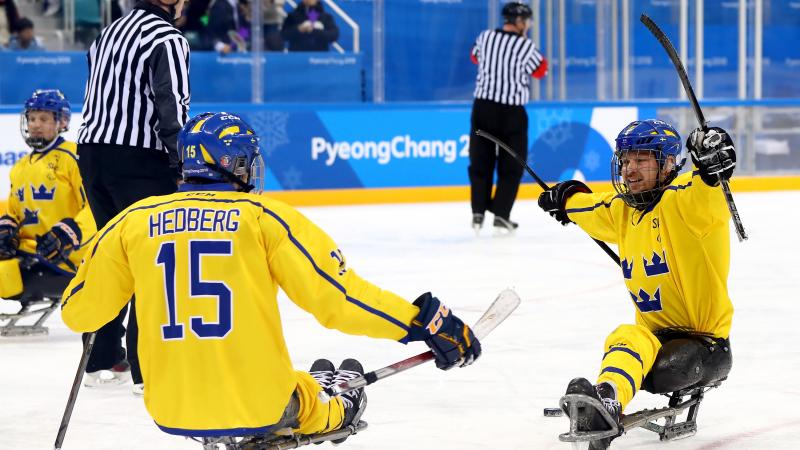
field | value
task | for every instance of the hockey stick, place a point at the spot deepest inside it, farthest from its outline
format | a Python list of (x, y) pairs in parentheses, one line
[(676, 61), (541, 183), (505, 303), (73, 393)]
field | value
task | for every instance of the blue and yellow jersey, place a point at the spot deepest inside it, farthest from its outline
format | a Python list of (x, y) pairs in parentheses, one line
[(206, 266), (675, 256), (46, 187)]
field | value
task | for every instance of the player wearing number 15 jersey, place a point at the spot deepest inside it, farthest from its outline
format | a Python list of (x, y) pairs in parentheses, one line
[(206, 263)]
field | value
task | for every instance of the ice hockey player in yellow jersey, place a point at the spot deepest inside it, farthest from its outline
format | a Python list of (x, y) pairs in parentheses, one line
[(674, 246), (206, 263), (47, 222)]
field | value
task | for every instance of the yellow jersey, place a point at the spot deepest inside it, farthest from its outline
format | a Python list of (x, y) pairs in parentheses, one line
[(675, 255), (206, 266), (46, 187)]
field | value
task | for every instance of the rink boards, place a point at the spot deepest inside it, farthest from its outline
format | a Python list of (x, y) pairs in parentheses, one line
[(357, 153)]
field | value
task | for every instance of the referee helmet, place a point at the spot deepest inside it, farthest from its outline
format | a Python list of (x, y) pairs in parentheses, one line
[(513, 10)]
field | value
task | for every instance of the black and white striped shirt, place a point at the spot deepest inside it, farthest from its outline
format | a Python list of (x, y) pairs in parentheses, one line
[(138, 89), (506, 61)]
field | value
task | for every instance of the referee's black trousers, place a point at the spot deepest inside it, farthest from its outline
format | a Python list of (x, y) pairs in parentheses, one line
[(115, 177), (509, 123)]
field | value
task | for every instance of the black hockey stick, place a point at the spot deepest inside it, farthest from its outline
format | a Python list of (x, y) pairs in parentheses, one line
[(73, 393), (502, 307), (687, 86), (541, 183)]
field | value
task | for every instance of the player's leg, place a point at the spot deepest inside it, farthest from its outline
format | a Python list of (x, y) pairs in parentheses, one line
[(107, 351), (482, 159), (686, 360), (314, 416), (509, 171), (630, 351)]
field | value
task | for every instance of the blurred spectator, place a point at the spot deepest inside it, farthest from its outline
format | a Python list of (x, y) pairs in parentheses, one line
[(273, 17), (23, 38), (309, 28), (224, 24), (11, 17), (192, 24)]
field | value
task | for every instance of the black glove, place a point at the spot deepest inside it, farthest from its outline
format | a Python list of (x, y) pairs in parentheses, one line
[(452, 342), (554, 200), (9, 237), (712, 153), (59, 242)]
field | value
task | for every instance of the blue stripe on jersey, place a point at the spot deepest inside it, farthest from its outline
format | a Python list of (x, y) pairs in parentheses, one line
[(625, 350), (619, 371), (73, 292), (592, 208), (302, 249), (218, 432)]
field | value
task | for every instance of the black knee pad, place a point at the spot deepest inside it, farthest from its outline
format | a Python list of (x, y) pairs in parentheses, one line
[(678, 365), (687, 362)]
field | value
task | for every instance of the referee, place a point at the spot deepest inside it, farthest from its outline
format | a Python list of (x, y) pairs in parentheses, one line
[(506, 60), (136, 102)]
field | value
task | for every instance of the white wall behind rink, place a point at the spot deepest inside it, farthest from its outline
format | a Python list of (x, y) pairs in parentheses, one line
[(13, 147)]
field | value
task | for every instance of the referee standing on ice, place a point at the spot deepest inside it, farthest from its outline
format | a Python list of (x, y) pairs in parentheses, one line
[(506, 60), (136, 102)]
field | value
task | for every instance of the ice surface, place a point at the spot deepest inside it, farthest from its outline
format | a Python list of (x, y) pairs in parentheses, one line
[(573, 297)]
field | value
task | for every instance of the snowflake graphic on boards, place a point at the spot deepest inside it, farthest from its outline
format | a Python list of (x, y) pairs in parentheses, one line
[(271, 127)]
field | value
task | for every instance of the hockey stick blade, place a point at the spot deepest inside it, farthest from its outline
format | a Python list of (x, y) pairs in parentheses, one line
[(541, 183), (687, 87), (502, 307)]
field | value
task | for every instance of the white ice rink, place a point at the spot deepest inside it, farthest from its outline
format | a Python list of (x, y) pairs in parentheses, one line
[(573, 296)]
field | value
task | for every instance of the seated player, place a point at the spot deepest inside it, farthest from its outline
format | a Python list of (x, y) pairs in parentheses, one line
[(674, 244), (206, 263), (47, 222)]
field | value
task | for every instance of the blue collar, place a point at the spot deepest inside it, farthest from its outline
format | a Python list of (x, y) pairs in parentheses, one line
[(189, 187)]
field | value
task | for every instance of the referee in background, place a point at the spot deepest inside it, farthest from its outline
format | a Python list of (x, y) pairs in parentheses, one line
[(506, 60), (136, 102)]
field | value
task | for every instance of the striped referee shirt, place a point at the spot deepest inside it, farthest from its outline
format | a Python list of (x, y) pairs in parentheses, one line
[(138, 89), (506, 61)]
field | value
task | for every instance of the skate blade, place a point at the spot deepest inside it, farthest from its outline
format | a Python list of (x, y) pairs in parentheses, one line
[(581, 445), (503, 232), (23, 331), (570, 404), (106, 378)]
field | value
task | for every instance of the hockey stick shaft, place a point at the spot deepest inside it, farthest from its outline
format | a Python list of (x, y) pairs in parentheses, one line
[(73, 393), (687, 86), (541, 183), (505, 303)]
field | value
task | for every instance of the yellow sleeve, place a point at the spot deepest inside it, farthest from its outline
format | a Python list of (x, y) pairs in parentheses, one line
[(310, 268), (103, 284), (84, 217), (702, 207), (593, 213), (13, 208)]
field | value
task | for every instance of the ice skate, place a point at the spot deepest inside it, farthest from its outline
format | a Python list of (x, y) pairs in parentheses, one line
[(594, 413), (355, 401), (322, 370), (504, 227), (120, 373), (477, 222)]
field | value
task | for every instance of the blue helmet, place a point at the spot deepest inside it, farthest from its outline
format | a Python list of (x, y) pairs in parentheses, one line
[(51, 100), (654, 136), (221, 148)]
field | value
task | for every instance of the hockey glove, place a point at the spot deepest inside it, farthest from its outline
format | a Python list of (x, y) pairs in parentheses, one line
[(713, 154), (554, 200), (9, 237), (57, 244), (452, 342)]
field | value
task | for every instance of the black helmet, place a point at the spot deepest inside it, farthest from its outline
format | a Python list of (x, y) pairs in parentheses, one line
[(512, 10)]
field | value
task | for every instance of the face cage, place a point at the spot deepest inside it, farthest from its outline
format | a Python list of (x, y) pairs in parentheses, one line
[(36, 143), (257, 178), (640, 200)]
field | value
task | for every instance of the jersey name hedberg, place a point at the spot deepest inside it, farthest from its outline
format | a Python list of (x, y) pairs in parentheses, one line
[(179, 220)]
